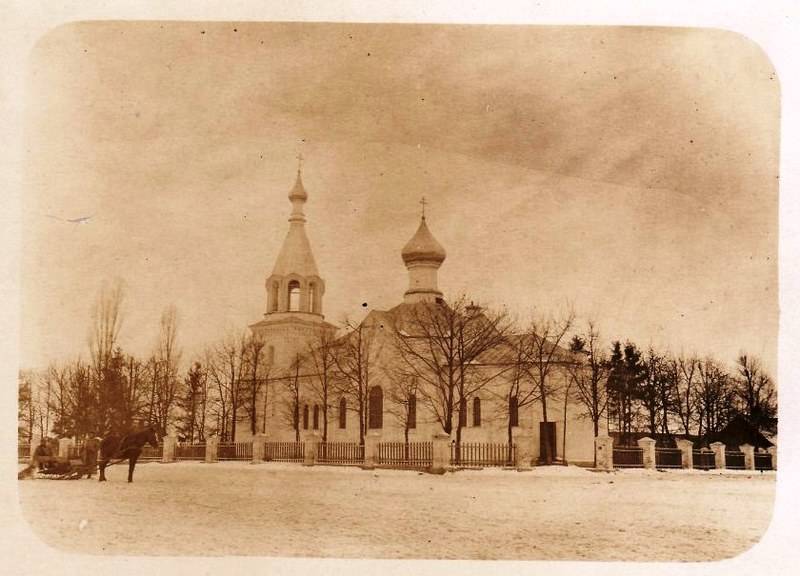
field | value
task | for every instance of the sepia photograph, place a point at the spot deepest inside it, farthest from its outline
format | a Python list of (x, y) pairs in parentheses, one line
[(398, 291)]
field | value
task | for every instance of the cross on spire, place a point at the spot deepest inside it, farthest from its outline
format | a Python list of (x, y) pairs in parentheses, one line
[(299, 161), (423, 202)]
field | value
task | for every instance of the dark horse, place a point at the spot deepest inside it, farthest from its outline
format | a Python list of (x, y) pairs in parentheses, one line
[(119, 447)]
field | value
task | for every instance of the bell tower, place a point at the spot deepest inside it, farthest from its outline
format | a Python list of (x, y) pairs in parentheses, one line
[(293, 322), (295, 285)]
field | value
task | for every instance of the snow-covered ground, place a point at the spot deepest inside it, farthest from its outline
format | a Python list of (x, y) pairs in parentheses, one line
[(290, 510)]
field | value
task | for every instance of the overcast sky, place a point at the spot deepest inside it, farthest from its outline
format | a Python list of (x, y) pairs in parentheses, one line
[(631, 171)]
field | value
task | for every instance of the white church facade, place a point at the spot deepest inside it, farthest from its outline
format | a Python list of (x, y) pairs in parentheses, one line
[(292, 404)]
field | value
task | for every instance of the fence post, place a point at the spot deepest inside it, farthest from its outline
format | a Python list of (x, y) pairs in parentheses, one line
[(259, 444), (441, 452), (524, 441), (371, 441), (63, 447), (773, 451), (312, 441), (169, 449), (749, 456), (648, 446), (719, 455), (604, 452), (687, 458), (212, 442)]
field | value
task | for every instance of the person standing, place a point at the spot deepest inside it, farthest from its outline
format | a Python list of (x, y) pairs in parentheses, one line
[(89, 454)]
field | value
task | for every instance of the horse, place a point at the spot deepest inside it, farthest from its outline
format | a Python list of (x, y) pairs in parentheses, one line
[(125, 447)]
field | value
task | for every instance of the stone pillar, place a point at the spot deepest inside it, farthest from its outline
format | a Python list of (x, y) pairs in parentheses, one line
[(441, 453), (64, 444), (259, 443), (523, 440), (371, 441), (773, 451), (719, 455), (687, 458), (648, 446), (749, 456), (604, 452), (312, 442), (169, 449), (212, 442)]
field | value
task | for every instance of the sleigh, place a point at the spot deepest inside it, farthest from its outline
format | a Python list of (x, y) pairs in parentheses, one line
[(58, 469)]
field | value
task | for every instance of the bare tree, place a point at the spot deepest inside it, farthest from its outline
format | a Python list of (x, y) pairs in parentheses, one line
[(107, 320), (165, 366), (256, 379), (293, 383), (353, 356), (685, 394), (590, 376), (402, 396), (756, 393), (445, 346), (227, 369), (538, 355), (654, 392), (321, 359), (714, 397)]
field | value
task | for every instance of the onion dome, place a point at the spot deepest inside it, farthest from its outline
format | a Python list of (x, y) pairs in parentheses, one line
[(298, 193), (423, 247)]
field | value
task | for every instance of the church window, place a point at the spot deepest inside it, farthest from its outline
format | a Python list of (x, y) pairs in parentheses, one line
[(305, 417), (312, 291), (273, 297), (476, 412), (412, 411), (294, 296), (343, 413), (462, 413), (316, 416), (513, 411), (270, 354), (376, 408)]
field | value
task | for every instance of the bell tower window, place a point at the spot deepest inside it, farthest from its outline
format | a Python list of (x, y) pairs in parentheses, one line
[(312, 289), (294, 296), (273, 297)]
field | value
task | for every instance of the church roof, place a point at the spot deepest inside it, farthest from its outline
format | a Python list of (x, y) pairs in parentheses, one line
[(295, 256), (423, 247)]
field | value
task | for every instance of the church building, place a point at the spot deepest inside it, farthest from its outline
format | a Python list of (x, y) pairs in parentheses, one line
[(293, 404)]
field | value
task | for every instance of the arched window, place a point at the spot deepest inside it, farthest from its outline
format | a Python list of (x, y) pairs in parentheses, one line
[(316, 416), (476, 412), (305, 417), (312, 291), (513, 411), (376, 408), (462, 413), (273, 297), (294, 296), (270, 354), (412, 411), (343, 413)]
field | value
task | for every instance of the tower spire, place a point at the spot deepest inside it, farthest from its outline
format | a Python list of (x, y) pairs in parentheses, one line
[(423, 202)]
